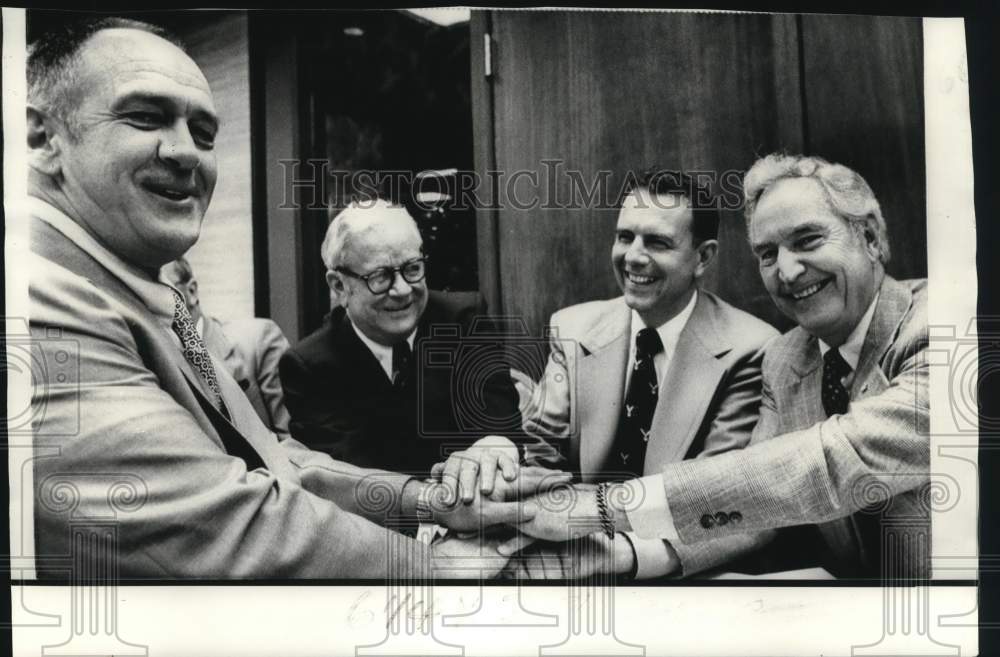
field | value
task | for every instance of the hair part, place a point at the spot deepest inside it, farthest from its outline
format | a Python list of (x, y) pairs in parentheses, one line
[(704, 211), (846, 192), (53, 58)]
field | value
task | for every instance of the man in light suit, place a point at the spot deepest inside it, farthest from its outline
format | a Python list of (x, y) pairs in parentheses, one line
[(843, 433), (133, 420), (248, 348), (706, 369)]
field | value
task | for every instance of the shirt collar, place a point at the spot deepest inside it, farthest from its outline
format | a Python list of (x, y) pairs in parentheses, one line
[(158, 297), (669, 331), (382, 353), (851, 349)]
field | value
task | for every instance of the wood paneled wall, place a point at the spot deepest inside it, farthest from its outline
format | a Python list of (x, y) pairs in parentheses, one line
[(589, 92), (222, 259)]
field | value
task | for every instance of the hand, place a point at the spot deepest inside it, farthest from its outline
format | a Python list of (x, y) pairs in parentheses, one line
[(473, 557), (562, 513), (591, 555), (492, 463), (480, 513)]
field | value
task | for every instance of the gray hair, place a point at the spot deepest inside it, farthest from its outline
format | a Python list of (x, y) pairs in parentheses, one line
[(845, 190), (351, 221)]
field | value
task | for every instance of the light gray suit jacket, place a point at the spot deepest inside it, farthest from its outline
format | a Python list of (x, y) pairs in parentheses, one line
[(250, 349), (708, 403), (804, 468), (138, 444)]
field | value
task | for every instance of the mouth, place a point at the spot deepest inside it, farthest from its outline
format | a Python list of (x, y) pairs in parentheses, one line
[(399, 309), (638, 279), (172, 192), (806, 292)]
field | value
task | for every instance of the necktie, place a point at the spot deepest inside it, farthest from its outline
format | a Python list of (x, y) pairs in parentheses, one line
[(834, 394), (400, 364), (194, 350), (629, 453)]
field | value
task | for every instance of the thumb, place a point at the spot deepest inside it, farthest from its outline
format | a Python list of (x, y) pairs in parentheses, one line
[(507, 513), (515, 544)]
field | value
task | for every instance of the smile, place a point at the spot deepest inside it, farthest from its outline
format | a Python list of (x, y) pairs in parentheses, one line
[(171, 193), (807, 292), (638, 279), (399, 309)]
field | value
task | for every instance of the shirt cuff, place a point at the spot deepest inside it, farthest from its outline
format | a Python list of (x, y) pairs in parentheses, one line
[(652, 557), (648, 511)]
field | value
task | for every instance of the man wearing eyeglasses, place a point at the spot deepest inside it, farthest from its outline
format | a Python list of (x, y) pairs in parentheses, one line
[(352, 387)]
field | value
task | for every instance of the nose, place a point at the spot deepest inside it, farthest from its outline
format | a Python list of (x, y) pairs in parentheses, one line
[(636, 253), (789, 266), (178, 148), (400, 288)]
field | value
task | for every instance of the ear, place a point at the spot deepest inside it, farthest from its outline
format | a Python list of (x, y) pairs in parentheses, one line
[(43, 142), (870, 236), (335, 281), (706, 253)]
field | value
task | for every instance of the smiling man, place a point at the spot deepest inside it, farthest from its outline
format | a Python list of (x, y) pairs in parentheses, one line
[(663, 373), (133, 421), (353, 387), (841, 451)]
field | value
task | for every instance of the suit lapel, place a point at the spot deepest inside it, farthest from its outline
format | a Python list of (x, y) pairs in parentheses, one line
[(893, 303), (690, 382), (600, 384)]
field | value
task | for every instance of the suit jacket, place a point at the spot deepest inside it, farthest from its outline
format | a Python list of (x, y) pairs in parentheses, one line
[(250, 350), (708, 403), (804, 468), (341, 401), (124, 433)]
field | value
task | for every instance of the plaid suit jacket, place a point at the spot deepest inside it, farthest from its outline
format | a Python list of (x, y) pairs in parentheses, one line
[(839, 473)]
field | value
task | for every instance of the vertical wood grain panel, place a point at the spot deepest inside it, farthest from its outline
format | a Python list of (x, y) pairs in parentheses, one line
[(222, 259), (617, 91), (865, 109)]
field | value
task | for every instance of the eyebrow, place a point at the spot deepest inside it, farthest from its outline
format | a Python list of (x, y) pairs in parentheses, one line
[(161, 101), (797, 231)]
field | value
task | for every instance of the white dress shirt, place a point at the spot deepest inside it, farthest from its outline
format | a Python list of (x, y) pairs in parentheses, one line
[(382, 353), (653, 558)]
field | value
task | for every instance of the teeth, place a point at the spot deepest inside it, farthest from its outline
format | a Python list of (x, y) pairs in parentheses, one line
[(808, 292), (638, 278)]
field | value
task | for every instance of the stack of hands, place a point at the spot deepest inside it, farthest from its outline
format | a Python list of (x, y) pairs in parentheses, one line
[(512, 521)]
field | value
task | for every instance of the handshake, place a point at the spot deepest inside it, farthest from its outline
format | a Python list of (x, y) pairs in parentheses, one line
[(513, 521)]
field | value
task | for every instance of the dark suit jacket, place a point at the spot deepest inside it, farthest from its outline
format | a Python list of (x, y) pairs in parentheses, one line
[(341, 401)]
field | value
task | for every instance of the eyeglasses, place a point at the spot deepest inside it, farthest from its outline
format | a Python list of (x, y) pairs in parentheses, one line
[(380, 280)]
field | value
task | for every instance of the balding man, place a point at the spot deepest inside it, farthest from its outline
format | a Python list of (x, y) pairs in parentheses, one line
[(353, 388), (135, 424)]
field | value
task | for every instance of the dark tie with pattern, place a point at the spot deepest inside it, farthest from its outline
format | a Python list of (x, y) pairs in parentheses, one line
[(834, 394), (629, 453), (194, 350), (400, 364)]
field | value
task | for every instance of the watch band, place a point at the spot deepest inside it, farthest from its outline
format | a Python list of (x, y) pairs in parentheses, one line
[(424, 511)]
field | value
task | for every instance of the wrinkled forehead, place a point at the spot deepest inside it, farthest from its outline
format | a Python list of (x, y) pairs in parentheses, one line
[(125, 61), (789, 206)]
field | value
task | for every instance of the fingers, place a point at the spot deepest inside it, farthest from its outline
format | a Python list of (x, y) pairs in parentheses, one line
[(487, 472), (449, 478), (508, 467), (507, 513), (437, 470), (468, 474), (515, 544), (536, 479)]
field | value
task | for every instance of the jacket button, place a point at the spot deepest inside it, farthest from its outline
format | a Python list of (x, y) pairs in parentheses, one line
[(707, 521), (721, 518), (736, 517)]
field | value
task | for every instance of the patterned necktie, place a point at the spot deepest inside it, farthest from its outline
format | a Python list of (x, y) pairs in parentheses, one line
[(629, 453), (400, 364), (194, 350), (834, 394)]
